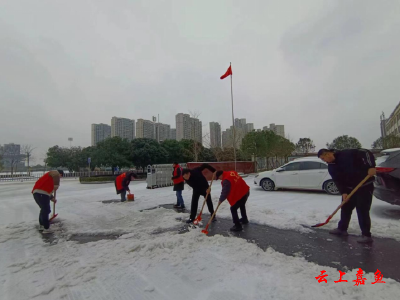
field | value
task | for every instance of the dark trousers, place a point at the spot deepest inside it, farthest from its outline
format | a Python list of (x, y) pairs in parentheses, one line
[(242, 205), (44, 203), (179, 198), (123, 196), (195, 203), (361, 201)]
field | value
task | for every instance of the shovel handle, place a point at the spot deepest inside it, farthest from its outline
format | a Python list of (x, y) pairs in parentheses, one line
[(351, 194), (205, 199), (54, 204), (212, 217)]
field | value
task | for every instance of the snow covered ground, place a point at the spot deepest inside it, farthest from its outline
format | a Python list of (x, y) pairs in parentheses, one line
[(144, 264)]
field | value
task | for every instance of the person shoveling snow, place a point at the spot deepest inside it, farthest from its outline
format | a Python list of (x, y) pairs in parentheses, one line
[(236, 190), (122, 184), (42, 193)]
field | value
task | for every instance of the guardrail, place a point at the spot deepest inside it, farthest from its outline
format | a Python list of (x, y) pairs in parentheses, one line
[(36, 175)]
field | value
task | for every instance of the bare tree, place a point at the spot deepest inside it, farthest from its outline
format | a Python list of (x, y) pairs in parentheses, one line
[(45, 157), (27, 150)]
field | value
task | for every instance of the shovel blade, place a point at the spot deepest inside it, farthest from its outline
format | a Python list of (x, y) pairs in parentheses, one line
[(319, 224), (205, 231), (322, 224), (54, 216)]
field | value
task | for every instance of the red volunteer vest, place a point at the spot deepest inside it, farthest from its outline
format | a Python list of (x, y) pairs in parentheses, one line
[(119, 180), (179, 179), (239, 187), (45, 183)]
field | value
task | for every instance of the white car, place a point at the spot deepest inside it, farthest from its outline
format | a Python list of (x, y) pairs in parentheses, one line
[(309, 173)]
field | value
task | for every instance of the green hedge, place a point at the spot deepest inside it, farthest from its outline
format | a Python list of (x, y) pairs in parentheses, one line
[(97, 179)]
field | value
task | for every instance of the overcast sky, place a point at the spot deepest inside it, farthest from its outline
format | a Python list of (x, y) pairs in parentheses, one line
[(321, 68)]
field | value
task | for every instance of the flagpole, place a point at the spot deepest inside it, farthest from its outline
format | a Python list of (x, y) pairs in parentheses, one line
[(233, 121)]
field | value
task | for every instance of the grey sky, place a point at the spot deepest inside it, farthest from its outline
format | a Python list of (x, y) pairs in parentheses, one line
[(67, 64)]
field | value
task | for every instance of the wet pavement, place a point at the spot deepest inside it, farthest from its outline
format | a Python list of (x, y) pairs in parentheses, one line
[(86, 238), (320, 247)]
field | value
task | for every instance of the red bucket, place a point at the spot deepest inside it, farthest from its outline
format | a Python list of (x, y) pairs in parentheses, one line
[(131, 197)]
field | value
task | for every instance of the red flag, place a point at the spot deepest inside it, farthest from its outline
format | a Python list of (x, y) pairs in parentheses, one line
[(228, 72)]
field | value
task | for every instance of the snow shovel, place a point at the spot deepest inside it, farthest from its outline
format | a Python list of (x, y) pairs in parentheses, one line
[(343, 202), (198, 219), (54, 209), (205, 231)]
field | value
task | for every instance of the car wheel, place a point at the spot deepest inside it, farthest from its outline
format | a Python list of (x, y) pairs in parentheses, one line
[(267, 185), (330, 188)]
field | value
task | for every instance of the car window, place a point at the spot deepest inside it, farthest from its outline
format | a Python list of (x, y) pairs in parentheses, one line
[(381, 159), (292, 167), (310, 165), (324, 166)]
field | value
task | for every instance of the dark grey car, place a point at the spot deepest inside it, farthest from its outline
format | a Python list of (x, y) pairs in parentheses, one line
[(387, 181)]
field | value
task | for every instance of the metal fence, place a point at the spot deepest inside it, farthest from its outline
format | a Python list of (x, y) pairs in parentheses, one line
[(272, 163), (160, 175), (33, 176)]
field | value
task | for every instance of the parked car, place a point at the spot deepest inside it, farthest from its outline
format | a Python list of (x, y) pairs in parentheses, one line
[(387, 180), (309, 173)]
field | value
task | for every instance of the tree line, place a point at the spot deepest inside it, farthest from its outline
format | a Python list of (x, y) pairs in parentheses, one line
[(116, 152)]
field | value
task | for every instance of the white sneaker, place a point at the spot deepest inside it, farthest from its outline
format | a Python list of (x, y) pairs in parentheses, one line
[(47, 231), (41, 227)]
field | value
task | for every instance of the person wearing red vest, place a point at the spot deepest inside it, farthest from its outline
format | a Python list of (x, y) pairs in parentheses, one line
[(236, 190), (179, 185), (122, 184), (43, 193)]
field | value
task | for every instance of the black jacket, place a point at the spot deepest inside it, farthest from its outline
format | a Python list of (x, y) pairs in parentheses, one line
[(350, 168), (226, 189), (197, 180)]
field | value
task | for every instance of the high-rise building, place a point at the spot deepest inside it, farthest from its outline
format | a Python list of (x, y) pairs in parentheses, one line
[(172, 134), (163, 132), (188, 128), (122, 127), (383, 125), (100, 132), (182, 126), (145, 129), (11, 149), (249, 127), (392, 124), (278, 129), (12, 157), (215, 135), (227, 138), (265, 128)]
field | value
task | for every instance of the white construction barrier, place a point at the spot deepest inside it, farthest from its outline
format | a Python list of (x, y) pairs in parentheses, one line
[(160, 175)]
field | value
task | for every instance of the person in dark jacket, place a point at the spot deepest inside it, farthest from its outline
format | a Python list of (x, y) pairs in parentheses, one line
[(196, 180), (236, 190), (122, 184), (347, 169), (179, 185)]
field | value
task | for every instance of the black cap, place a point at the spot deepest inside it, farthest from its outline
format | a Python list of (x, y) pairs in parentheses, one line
[(219, 173), (61, 172), (323, 151)]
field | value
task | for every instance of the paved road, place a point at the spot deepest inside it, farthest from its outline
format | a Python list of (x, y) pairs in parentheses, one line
[(342, 253)]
